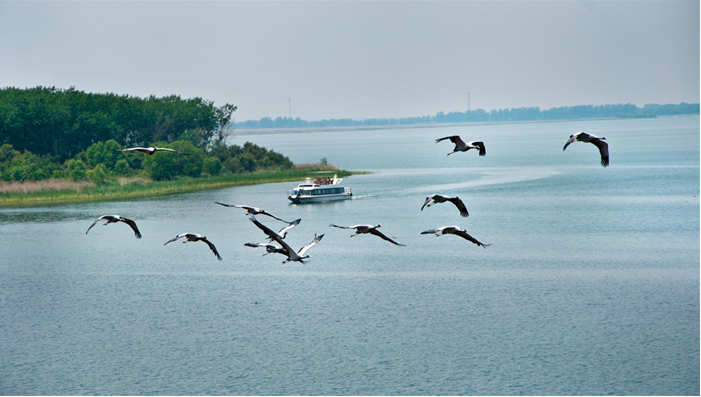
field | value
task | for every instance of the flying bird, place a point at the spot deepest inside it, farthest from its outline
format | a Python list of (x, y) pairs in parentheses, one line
[(283, 232), (269, 248), (193, 237), (114, 219), (149, 150), (368, 229), (292, 256), (456, 231), (596, 141), (461, 146), (439, 198), (253, 211)]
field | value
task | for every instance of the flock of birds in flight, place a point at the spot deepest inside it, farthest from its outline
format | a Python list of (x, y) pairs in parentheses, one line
[(299, 255)]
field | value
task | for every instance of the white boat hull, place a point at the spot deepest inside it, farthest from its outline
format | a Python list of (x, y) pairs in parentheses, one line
[(320, 198), (319, 191)]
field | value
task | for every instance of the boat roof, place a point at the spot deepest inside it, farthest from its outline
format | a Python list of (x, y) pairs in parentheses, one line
[(321, 172)]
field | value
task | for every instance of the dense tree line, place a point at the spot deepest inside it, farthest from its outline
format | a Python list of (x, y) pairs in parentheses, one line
[(479, 115), (64, 122), (102, 162), (57, 133)]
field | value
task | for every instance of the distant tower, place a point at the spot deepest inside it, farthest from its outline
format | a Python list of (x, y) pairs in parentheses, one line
[(289, 106), (468, 101)]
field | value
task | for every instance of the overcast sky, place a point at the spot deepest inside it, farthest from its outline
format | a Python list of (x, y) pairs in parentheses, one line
[(359, 59)]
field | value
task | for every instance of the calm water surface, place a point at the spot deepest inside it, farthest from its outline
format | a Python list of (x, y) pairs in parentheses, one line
[(590, 285)]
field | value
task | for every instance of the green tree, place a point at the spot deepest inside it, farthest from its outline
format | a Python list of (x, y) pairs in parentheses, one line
[(75, 169), (103, 153), (212, 166), (168, 165), (233, 165), (98, 174), (121, 167), (25, 168), (248, 162)]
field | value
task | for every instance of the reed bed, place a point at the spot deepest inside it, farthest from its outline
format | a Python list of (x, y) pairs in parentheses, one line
[(57, 191)]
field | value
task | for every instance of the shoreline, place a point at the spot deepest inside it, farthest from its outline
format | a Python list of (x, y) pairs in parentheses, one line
[(141, 189), (263, 131)]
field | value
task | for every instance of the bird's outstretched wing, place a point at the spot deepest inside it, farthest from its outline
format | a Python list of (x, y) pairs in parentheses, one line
[(270, 233), (308, 246), (179, 236), (431, 231), (256, 245), (341, 227), (264, 212), (455, 139), (132, 224), (169, 150), (269, 248), (379, 234), (480, 146), (603, 150), (252, 210), (461, 206), (463, 234), (132, 149), (212, 247), (95, 223), (283, 231)]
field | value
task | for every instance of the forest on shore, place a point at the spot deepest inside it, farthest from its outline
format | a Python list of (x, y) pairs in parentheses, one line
[(53, 133)]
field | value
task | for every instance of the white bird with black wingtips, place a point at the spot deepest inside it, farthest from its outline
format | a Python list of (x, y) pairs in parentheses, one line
[(292, 256), (253, 210), (439, 198), (114, 219), (193, 237), (149, 150), (269, 248), (283, 232), (594, 140), (368, 229), (461, 146), (456, 231)]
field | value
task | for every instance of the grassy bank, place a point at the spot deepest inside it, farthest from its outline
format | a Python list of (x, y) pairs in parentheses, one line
[(59, 191)]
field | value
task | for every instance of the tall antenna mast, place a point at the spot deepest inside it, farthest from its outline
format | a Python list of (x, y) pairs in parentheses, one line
[(289, 106), (468, 101)]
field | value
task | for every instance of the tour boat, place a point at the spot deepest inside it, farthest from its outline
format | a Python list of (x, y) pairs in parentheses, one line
[(316, 189)]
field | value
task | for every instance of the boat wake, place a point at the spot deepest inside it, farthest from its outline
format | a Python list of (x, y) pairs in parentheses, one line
[(491, 176)]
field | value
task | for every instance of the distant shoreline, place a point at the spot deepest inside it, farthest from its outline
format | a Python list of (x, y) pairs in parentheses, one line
[(264, 131), (260, 131)]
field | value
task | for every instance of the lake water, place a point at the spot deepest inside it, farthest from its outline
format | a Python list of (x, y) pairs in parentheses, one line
[(590, 285)]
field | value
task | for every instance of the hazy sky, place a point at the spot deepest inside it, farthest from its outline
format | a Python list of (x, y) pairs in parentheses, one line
[(359, 59)]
